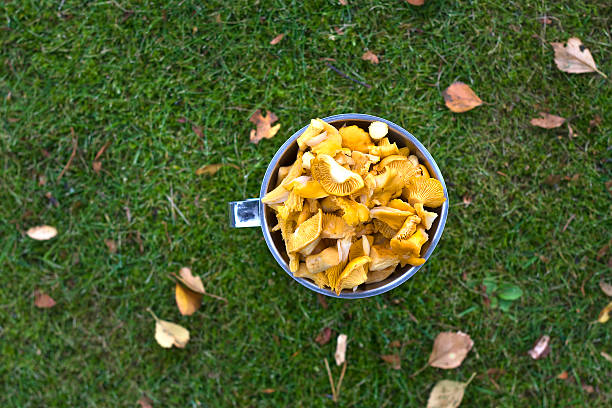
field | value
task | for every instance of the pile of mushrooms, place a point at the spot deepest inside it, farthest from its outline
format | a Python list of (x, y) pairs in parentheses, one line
[(352, 207)]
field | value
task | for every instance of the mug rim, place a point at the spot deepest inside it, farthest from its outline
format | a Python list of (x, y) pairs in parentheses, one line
[(409, 273)]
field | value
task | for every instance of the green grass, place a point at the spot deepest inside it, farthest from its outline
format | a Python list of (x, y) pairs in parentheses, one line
[(129, 78)]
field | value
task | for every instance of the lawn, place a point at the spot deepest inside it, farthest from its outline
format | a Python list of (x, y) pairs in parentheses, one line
[(141, 75)]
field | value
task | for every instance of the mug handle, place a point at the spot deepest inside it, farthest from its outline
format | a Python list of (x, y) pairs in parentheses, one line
[(245, 213)]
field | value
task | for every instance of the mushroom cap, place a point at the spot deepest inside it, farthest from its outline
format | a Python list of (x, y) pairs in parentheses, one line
[(282, 173), (353, 274), (306, 159), (400, 205), (315, 127), (411, 260), (320, 279), (393, 217), (404, 151), (333, 274), (331, 145), (353, 212), (427, 191), (362, 162), (323, 260), (384, 148), (302, 271), (294, 262), (364, 229), (306, 187), (335, 227), (414, 159), (381, 275), (378, 130), (344, 159), (424, 171), (360, 247), (427, 217), (408, 228), (306, 233), (384, 229), (329, 204), (404, 167), (355, 138), (382, 258), (277, 196), (334, 178), (310, 248), (294, 202), (411, 245), (344, 246)]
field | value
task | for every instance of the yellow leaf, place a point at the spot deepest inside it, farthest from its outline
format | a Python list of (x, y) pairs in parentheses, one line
[(447, 394), (211, 169), (187, 300), (169, 334), (188, 279), (574, 57), (604, 316), (42, 232), (460, 98), (450, 349)]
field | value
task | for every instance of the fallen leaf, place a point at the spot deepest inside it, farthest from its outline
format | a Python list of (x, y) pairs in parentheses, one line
[(604, 315), (340, 355), (395, 344), (42, 300), (169, 334), (188, 301), (96, 166), (197, 130), (343, 2), (145, 402), (570, 132), (547, 121), (467, 200), (322, 301), (268, 390), (541, 348), (606, 356), (552, 179), (393, 360), (460, 98), (602, 251), (42, 232), (188, 279), (574, 57), (211, 169), (595, 122), (605, 287), (447, 394), (544, 20), (265, 130), (111, 245), (563, 376), (588, 388), (370, 56), (450, 349), (324, 336), (416, 2), (277, 39)]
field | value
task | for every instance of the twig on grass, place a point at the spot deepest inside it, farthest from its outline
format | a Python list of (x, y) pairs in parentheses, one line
[(340, 380), (342, 74), (331, 380), (568, 222), (177, 209), (74, 149)]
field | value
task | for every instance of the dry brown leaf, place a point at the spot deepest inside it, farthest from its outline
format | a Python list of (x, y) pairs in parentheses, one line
[(563, 375), (574, 57), (277, 39), (447, 393), (340, 355), (42, 300), (547, 121), (268, 390), (595, 122), (145, 402), (343, 2), (588, 388), (467, 200), (168, 334), (602, 251), (605, 287), (450, 349), (541, 348), (265, 130), (211, 169), (604, 315), (324, 336), (460, 98), (606, 356), (111, 245), (42, 232), (197, 130), (416, 2), (393, 360), (395, 344), (370, 56), (96, 166), (188, 301)]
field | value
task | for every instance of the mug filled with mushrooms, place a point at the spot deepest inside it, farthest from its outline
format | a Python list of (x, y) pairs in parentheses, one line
[(350, 206)]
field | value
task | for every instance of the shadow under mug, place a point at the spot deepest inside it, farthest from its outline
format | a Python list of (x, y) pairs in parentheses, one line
[(253, 213)]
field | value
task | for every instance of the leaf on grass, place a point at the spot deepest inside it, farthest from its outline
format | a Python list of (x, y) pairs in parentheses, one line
[(509, 292), (393, 360), (605, 287), (604, 315), (42, 300), (197, 130), (563, 375), (602, 251), (450, 349), (588, 388), (541, 348), (188, 301), (606, 356), (415, 2), (268, 391), (111, 245), (96, 166), (277, 39), (343, 2), (447, 394), (324, 336), (467, 200), (145, 402), (340, 355), (169, 334), (42, 232), (211, 169), (574, 57), (188, 279), (264, 130), (460, 98), (370, 56), (547, 121)]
